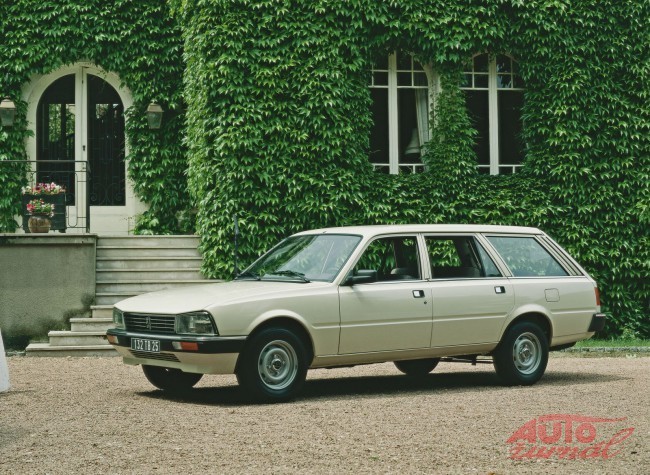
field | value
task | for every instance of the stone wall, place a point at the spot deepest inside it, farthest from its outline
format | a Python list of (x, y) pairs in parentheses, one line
[(45, 279)]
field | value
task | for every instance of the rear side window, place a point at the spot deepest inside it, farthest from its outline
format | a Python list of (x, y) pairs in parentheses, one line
[(526, 257), (458, 257)]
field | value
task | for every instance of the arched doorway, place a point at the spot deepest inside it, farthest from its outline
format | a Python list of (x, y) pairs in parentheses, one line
[(79, 141)]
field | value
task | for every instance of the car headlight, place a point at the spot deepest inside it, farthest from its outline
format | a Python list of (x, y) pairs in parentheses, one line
[(195, 323), (118, 318)]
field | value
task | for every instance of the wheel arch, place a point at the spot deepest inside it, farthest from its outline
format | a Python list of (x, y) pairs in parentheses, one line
[(288, 323), (535, 317)]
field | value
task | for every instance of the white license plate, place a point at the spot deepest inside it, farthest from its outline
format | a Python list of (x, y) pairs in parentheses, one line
[(140, 344)]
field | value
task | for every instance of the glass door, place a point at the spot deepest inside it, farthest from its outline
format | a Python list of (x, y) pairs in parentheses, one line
[(80, 144)]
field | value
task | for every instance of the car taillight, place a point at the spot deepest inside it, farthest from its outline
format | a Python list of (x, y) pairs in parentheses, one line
[(597, 296)]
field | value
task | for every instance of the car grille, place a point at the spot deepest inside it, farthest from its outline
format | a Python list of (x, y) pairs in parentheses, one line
[(147, 323), (154, 356)]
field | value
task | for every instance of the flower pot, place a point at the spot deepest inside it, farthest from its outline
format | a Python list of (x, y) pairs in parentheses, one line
[(39, 224), (58, 221)]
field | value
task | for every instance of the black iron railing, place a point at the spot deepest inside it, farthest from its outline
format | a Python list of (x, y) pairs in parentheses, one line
[(74, 176)]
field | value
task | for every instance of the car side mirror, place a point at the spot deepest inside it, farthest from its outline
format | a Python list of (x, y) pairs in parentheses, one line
[(362, 276)]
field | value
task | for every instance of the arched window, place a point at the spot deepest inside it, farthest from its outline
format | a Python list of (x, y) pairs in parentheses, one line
[(494, 94), (400, 92)]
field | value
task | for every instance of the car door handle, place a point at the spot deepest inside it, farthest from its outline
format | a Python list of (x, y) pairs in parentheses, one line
[(499, 289), (418, 294)]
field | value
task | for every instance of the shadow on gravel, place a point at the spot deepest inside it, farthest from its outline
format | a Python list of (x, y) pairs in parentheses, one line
[(378, 386)]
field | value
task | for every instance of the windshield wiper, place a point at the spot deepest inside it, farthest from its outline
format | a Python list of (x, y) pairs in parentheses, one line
[(291, 273), (248, 274)]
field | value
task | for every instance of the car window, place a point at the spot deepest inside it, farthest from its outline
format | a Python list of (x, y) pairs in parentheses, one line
[(458, 257), (309, 257), (526, 257), (393, 258)]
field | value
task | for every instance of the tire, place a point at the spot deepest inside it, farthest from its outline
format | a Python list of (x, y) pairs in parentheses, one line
[(417, 367), (170, 379), (273, 365), (522, 355)]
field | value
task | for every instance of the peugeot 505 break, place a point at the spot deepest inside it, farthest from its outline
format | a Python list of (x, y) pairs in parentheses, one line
[(410, 294)]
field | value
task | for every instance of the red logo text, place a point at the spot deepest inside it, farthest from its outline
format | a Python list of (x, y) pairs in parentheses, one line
[(566, 436)]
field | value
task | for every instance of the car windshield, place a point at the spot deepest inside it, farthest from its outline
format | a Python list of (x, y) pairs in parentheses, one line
[(318, 257)]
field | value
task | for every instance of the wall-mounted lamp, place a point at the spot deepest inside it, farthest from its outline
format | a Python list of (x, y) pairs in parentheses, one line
[(154, 115), (7, 112)]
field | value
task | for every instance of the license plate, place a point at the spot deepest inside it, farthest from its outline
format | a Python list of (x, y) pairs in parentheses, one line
[(140, 344)]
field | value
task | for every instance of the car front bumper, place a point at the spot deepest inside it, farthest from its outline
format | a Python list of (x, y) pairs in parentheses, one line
[(200, 354)]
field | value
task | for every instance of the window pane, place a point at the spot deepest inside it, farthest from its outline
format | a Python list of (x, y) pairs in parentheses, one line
[(55, 135), (380, 78), (511, 147), (490, 268), (420, 79), (404, 79), (477, 107), (456, 257), (392, 258), (481, 81), (504, 64), (379, 132), (481, 63), (526, 257), (409, 141), (404, 62), (504, 81)]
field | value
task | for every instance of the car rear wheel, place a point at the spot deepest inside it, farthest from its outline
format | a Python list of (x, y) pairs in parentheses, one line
[(170, 379), (522, 355), (417, 367), (273, 366)]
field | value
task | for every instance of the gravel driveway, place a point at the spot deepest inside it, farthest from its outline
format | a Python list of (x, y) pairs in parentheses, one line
[(96, 415)]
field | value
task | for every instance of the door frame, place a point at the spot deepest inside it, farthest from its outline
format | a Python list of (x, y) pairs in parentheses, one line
[(104, 219)]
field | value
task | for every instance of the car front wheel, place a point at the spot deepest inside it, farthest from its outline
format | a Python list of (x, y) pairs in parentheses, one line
[(170, 379), (273, 366), (522, 355)]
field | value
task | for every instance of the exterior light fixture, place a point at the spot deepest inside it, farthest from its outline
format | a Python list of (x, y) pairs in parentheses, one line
[(154, 115), (7, 112)]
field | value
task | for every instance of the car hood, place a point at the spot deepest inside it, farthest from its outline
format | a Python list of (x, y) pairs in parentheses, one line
[(201, 296)]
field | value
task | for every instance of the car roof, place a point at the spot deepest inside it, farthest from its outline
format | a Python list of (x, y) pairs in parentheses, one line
[(373, 230)]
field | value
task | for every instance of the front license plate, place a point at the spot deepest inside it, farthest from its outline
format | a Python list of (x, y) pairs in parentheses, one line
[(140, 344)]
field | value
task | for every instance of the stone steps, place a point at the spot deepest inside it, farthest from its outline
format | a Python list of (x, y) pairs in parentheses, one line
[(125, 267)]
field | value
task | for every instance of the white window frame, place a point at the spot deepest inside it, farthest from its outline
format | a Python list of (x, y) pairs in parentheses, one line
[(493, 110), (393, 112)]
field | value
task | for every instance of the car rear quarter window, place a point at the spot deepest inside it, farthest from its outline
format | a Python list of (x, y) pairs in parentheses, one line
[(526, 257)]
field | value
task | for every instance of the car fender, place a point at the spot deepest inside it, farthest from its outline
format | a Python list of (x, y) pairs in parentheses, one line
[(527, 310)]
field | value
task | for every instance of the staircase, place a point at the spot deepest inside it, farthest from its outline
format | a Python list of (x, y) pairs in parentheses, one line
[(126, 266)]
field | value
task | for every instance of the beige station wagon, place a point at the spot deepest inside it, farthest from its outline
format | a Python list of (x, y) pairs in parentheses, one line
[(411, 294)]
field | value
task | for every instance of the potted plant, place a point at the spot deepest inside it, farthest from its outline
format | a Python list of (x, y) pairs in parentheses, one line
[(40, 214), (37, 198)]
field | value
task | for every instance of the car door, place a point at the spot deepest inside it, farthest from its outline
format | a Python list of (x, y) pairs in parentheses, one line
[(394, 311), (471, 297)]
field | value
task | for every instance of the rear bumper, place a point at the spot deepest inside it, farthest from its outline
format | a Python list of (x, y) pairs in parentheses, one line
[(597, 322)]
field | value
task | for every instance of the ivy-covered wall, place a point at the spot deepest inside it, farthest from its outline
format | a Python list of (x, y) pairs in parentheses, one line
[(279, 116), (139, 41), (272, 120)]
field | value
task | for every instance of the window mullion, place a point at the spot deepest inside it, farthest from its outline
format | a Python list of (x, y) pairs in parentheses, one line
[(493, 117), (393, 130)]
